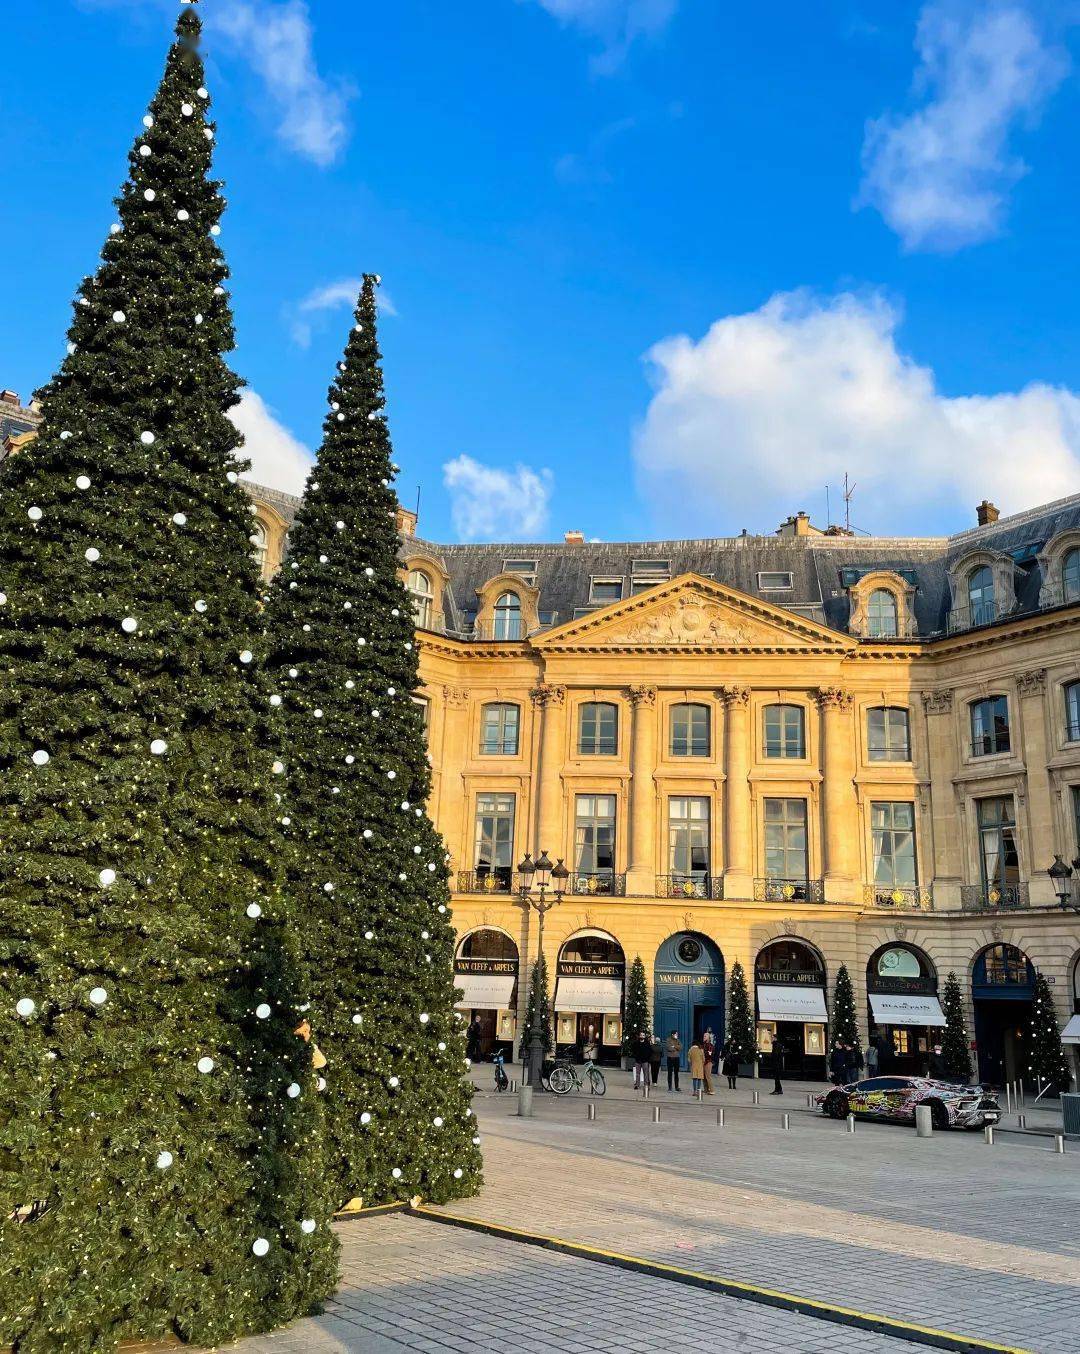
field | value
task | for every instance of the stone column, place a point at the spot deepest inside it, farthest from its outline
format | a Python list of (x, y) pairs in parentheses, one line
[(641, 868), (839, 803), (1031, 687), (738, 837), (943, 857), (549, 701)]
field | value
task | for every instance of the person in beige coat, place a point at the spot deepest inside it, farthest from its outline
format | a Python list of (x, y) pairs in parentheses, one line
[(696, 1059)]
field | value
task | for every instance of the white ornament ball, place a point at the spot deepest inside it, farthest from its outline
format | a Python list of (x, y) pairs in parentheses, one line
[(147, 438), (350, 684), (262, 1011), (164, 1161), (118, 316), (205, 1065), (98, 996), (183, 214), (208, 134), (391, 691), (293, 1090), (254, 910), (391, 775), (129, 625), (349, 759), (246, 656), (307, 1226), (260, 1246), (92, 553), (149, 195), (25, 1007), (3, 599), (231, 476), (215, 230), (441, 1044), (275, 700), (278, 768), (328, 887), (64, 435), (369, 572), (180, 519), (321, 1083), (424, 1018), (115, 228), (147, 121), (293, 672), (107, 878), (159, 747), (82, 482), (35, 514), (186, 109), (286, 821), (369, 935), (202, 92), (40, 757), (341, 418), (396, 1172), (437, 1121), (144, 151), (357, 1019), (318, 714), (198, 319), (340, 526), (368, 834), (394, 1082), (365, 1118), (458, 1173), (200, 605)]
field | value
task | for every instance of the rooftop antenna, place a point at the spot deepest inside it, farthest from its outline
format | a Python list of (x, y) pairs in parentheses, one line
[(849, 493), (828, 509), (417, 502)]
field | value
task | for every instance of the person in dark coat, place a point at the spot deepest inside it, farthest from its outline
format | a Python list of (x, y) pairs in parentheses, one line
[(730, 1065), (779, 1062), (854, 1063), (641, 1052), (838, 1064), (656, 1057), (472, 1041)]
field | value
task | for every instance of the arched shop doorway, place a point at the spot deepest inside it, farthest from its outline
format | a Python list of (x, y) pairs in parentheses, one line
[(1002, 987), (1070, 1035), (589, 995), (486, 971), (688, 995), (906, 1019), (790, 998)]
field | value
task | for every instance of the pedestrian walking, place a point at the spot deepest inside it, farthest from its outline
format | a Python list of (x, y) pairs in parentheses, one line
[(838, 1064), (871, 1059), (656, 1057), (673, 1050), (731, 1065), (778, 1064), (472, 1041), (589, 1049), (696, 1059), (708, 1047), (641, 1051), (854, 1062)]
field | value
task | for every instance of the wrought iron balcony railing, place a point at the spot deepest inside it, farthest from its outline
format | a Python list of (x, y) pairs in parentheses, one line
[(689, 886), (990, 744), (789, 890), (968, 617), (499, 880), (993, 897), (908, 899), (598, 882)]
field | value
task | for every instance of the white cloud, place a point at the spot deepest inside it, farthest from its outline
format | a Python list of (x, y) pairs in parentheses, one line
[(278, 459), (751, 422), (941, 175), (276, 40), (490, 503), (617, 23), (332, 296)]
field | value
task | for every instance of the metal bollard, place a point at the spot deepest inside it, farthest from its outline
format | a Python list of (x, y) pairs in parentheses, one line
[(513, 1086), (924, 1121), (1008, 1098), (1021, 1121), (656, 1114), (851, 1123), (988, 1135), (645, 1091), (698, 1095), (757, 1097), (1059, 1143), (785, 1121), (592, 1111), (809, 1100), (720, 1116), (525, 1102)]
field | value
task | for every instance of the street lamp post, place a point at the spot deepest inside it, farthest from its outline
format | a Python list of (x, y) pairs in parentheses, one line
[(1061, 877), (539, 869)]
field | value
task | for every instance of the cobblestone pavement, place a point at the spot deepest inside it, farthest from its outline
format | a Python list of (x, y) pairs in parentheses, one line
[(946, 1232), (410, 1284)]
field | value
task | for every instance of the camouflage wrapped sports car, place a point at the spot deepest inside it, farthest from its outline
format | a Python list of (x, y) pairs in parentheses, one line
[(895, 1098)]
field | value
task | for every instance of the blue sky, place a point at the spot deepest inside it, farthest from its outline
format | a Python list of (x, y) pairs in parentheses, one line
[(652, 267)]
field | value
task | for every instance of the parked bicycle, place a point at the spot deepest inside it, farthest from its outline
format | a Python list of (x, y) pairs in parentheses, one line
[(502, 1081), (564, 1079)]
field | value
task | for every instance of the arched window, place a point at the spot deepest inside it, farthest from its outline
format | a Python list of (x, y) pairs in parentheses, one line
[(980, 591), (1070, 576), (689, 730), (422, 598), (508, 617), (598, 729), (881, 620), (499, 724), (260, 545), (989, 726), (785, 734)]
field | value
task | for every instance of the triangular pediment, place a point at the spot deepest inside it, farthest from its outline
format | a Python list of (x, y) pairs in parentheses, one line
[(692, 612)]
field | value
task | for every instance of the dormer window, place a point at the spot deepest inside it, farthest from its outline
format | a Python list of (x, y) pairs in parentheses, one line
[(259, 544), (604, 590), (525, 567), (1070, 576), (980, 593), (422, 594), (881, 615), (774, 581), (507, 617)]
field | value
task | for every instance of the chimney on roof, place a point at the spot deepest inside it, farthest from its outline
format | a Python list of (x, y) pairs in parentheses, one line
[(574, 538), (986, 513), (9, 397), (405, 521), (799, 525)]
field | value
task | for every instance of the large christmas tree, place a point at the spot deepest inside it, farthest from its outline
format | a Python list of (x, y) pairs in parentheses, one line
[(1048, 1063), (955, 1053), (160, 1132), (740, 1027), (637, 1006), (538, 992), (367, 870), (845, 1025)]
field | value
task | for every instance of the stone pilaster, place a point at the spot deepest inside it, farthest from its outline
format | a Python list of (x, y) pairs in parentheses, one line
[(839, 803), (738, 839), (944, 856), (1041, 846), (550, 703), (641, 868)]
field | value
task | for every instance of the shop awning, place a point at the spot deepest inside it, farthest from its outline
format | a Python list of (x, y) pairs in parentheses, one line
[(592, 995), (1071, 1033), (484, 991), (784, 1002), (906, 1008)]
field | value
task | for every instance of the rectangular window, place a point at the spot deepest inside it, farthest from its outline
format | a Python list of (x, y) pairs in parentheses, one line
[(651, 566), (989, 726), (688, 836), (1076, 816), (999, 857), (499, 730), (598, 730), (774, 581), (888, 735), (525, 567), (786, 855), (784, 731), (689, 730), (1072, 712), (893, 828), (495, 837), (424, 706), (605, 590), (643, 585), (594, 834)]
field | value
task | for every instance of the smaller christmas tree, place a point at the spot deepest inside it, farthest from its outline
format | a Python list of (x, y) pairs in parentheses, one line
[(954, 1042), (740, 1030), (538, 984), (637, 1006), (1048, 1064), (845, 1025)]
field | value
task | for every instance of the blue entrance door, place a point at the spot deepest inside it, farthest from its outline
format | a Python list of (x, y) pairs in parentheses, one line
[(688, 993)]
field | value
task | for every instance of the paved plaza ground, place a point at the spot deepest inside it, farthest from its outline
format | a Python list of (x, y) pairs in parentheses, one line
[(947, 1232)]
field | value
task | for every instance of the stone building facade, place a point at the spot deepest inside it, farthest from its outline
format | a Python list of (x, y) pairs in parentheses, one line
[(794, 751)]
